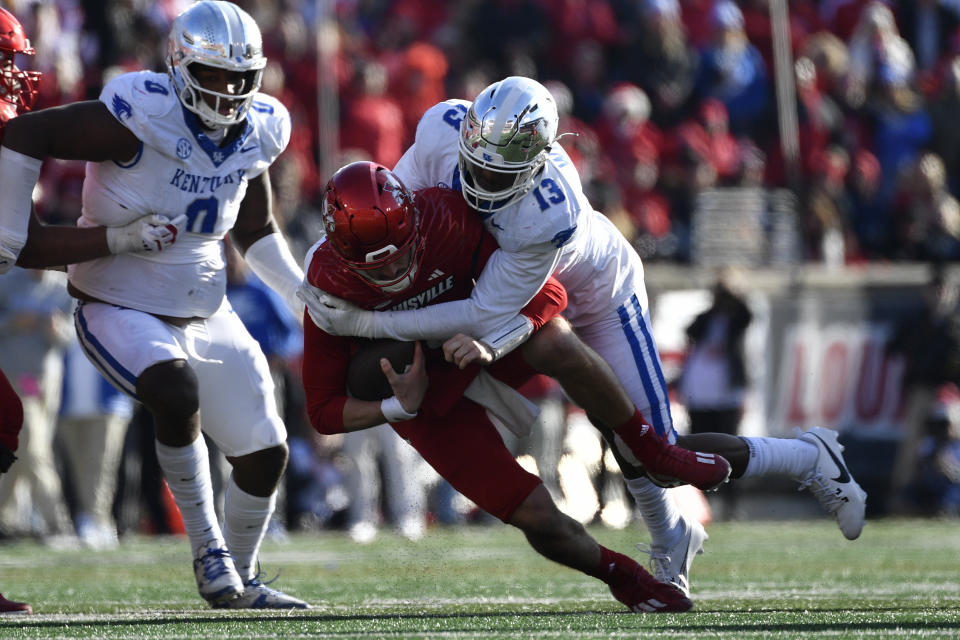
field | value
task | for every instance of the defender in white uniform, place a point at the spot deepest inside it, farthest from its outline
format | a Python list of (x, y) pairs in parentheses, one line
[(501, 152), (195, 142)]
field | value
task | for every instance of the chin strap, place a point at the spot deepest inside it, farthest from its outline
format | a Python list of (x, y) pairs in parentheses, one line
[(271, 260)]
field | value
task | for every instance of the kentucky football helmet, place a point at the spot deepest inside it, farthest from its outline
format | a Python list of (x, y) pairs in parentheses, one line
[(215, 34), (372, 224), (18, 89), (504, 141)]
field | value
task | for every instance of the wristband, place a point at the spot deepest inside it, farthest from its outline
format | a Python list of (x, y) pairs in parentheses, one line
[(393, 411)]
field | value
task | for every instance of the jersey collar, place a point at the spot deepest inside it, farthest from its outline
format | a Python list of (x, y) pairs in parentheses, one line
[(217, 154)]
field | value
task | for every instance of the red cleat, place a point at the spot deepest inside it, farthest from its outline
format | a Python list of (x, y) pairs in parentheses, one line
[(668, 465), (11, 607), (642, 593)]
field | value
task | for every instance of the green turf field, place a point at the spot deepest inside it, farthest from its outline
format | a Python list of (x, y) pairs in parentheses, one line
[(765, 580)]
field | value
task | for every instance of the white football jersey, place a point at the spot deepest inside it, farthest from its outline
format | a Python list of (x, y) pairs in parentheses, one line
[(553, 228), (178, 170)]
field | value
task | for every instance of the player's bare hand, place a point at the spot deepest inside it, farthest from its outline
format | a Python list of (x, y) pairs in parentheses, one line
[(410, 386), (463, 350)]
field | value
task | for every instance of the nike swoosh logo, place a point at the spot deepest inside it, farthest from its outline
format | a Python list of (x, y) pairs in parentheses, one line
[(245, 149), (844, 476)]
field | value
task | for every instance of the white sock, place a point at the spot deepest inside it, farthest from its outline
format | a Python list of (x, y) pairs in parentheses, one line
[(245, 519), (780, 456), (659, 511), (187, 470)]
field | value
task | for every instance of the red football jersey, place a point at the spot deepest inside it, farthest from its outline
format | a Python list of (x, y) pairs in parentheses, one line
[(456, 248)]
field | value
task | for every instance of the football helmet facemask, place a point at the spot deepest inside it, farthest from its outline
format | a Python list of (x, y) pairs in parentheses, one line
[(18, 89), (221, 35), (504, 141), (372, 224)]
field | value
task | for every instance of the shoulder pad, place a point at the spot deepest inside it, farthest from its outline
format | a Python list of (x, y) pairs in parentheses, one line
[(442, 120), (139, 95), (272, 120), (549, 213)]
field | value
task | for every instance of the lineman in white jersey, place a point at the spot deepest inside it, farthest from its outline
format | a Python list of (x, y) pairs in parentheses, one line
[(196, 141), (501, 152)]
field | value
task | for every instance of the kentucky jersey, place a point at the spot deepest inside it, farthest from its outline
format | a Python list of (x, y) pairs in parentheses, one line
[(178, 170), (553, 228)]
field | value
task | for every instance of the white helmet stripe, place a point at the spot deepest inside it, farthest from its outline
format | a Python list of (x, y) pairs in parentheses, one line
[(513, 103), (235, 30)]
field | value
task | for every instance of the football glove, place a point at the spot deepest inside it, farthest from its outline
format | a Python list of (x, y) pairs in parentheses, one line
[(151, 232), (335, 315)]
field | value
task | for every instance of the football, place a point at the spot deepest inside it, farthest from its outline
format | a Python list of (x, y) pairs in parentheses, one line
[(365, 380)]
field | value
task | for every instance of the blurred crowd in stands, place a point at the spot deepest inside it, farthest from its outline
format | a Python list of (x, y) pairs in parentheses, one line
[(666, 98)]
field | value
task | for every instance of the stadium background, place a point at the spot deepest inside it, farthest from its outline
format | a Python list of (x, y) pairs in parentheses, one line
[(818, 151)]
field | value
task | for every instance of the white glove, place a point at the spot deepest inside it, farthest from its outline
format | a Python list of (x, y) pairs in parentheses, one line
[(335, 315), (151, 232)]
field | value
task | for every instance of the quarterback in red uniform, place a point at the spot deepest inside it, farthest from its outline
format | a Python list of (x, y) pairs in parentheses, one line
[(386, 248)]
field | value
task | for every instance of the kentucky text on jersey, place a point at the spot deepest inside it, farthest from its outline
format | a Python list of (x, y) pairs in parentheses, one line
[(192, 183), (426, 297)]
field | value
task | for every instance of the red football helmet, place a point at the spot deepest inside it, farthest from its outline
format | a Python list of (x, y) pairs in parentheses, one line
[(18, 89), (372, 225)]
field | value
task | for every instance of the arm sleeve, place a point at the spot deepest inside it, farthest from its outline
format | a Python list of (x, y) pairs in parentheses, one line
[(270, 258), (508, 282), (324, 371), (549, 302)]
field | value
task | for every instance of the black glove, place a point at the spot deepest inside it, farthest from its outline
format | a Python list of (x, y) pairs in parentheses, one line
[(6, 458)]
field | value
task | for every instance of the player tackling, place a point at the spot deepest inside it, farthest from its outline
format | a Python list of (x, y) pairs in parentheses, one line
[(501, 152), (385, 248)]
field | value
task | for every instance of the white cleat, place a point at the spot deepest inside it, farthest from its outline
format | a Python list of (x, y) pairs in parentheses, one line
[(363, 532), (217, 577), (257, 595), (832, 484), (672, 564)]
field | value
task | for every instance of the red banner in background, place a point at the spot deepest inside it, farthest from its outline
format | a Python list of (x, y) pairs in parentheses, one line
[(816, 355), (837, 375)]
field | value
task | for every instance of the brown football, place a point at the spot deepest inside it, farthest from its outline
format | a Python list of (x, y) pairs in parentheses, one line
[(365, 380)]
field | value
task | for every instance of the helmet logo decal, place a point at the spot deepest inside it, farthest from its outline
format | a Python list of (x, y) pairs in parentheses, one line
[(329, 222), (184, 148)]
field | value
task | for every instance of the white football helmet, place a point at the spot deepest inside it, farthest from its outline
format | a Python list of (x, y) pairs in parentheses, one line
[(216, 34), (504, 141)]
